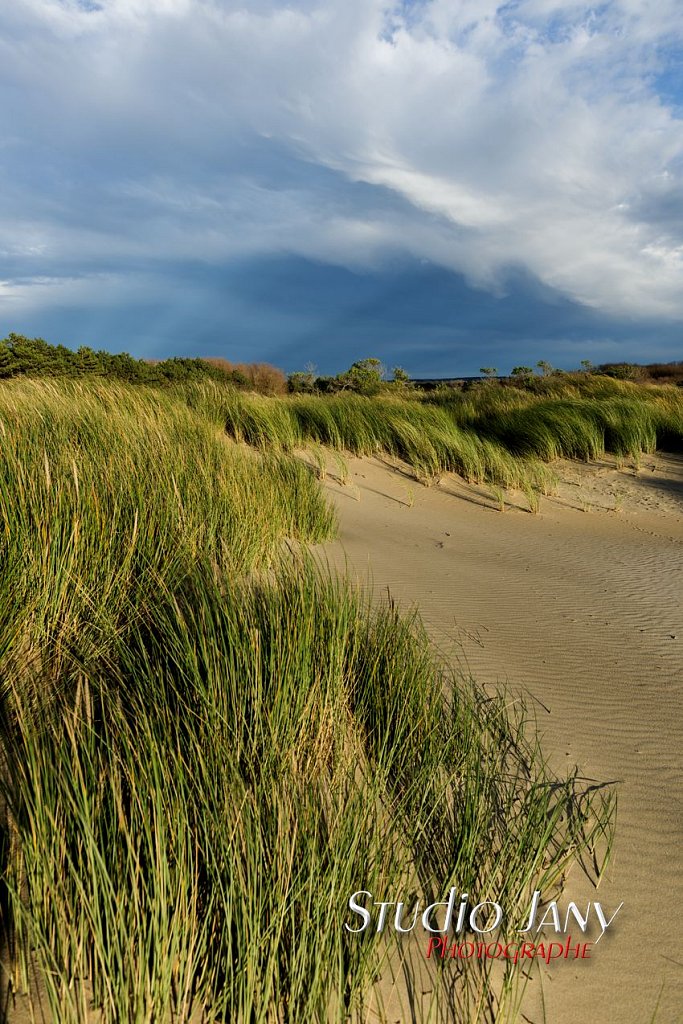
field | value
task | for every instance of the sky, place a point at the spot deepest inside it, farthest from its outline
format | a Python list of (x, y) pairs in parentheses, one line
[(442, 184)]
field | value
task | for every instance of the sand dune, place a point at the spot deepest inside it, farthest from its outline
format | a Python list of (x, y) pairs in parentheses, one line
[(580, 607)]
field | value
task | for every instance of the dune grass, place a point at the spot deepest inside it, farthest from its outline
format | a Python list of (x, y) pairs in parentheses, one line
[(425, 436), (209, 742), (500, 435)]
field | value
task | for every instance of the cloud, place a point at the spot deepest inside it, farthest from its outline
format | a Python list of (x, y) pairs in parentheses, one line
[(142, 135)]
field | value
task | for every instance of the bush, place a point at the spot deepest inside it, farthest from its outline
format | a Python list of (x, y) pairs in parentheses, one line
[(263, 378), (364, 377), (623, 371), (302, 382)]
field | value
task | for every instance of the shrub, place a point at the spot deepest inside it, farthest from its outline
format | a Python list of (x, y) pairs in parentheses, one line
[(302, 382), (623, 371), (364, 377), (264, 378)]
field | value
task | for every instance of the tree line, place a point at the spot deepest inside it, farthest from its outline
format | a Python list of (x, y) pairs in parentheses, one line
[(36, 357)]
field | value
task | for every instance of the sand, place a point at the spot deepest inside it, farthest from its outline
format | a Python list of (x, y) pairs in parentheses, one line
[(579, 608)]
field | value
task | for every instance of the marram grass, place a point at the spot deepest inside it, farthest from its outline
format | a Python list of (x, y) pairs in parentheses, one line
[(503, 436), (210, 742)]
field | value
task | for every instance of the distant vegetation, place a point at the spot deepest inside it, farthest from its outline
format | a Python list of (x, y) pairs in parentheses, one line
[(369, 377), (656, 373), (34, 357), (208, 742)]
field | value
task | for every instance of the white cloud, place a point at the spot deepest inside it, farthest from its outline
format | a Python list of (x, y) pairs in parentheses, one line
[(495, 135)]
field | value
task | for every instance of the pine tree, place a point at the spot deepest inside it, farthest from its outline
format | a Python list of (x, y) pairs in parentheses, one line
[(6, 361)]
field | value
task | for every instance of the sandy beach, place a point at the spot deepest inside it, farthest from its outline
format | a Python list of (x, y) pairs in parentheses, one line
[(578, 608)]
